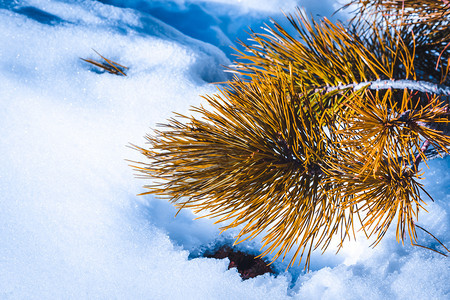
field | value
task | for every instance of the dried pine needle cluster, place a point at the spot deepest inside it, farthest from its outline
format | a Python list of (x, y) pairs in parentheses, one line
[(428, 19), (317, 136), (108, 65)]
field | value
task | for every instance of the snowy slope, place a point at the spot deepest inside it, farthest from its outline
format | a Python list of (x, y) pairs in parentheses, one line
[(71, 225)]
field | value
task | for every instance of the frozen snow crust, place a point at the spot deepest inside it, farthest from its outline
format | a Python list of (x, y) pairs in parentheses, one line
[(71, 225)]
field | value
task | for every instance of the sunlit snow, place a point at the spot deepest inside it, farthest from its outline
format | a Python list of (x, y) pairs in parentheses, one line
[(71, 223)]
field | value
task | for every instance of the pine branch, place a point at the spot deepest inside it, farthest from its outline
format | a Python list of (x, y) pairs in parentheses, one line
[(318, 130), (413, 85)]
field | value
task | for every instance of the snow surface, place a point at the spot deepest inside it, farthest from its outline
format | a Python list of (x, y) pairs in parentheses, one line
[(71, 225)]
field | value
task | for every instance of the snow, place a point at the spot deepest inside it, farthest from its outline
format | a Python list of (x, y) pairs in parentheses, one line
[(71, 225)]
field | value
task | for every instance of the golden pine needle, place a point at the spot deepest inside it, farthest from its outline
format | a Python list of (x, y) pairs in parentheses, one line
[(292, 151), (109, 65)]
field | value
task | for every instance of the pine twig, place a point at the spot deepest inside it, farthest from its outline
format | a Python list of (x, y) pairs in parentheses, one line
[(109, 65), (421, 86)]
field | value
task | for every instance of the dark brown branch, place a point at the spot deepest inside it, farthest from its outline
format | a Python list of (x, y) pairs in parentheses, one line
[(418, 158)]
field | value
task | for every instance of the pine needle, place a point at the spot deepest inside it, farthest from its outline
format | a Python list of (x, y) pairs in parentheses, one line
[(109, 65), (315, 130)]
